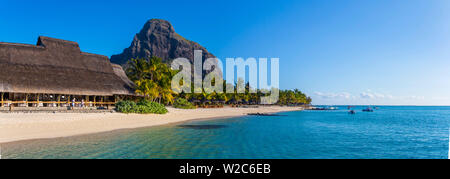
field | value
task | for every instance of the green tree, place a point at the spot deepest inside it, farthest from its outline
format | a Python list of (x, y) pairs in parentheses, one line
[(152, 78)]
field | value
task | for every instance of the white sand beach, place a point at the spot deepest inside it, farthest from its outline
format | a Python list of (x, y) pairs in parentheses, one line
[(27, 126)]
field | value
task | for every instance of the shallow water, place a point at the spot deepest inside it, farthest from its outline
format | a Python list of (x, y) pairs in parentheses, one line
[(390, 132)]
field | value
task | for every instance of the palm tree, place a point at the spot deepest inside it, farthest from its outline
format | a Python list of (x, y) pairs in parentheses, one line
[(222, 97), (147, 88), (137, 69), (152, 79)]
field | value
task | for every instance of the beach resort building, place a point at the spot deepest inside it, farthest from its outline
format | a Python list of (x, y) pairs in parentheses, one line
[(55, 72)]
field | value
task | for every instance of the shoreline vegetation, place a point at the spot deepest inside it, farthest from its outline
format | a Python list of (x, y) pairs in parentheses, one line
[(141, 107), (16, 127), (153, 80)]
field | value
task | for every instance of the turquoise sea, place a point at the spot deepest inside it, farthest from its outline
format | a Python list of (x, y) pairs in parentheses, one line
[(391, 132)]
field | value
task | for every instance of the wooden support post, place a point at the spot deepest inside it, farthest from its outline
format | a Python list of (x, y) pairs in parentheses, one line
[(26, 99), (37, 100), (59, 101), (95, 104), (2, 99), (13, 98)]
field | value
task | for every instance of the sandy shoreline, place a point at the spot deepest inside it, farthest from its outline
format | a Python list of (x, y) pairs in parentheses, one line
[(27, 126)]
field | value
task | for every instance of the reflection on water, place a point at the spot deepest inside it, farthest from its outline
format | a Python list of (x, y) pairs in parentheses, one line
[(390, 132)]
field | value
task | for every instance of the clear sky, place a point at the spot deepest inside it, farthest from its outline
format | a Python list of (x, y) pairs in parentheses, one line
[(338, 52)]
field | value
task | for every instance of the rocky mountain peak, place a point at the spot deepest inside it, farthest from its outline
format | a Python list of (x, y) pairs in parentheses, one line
[(158, 38)]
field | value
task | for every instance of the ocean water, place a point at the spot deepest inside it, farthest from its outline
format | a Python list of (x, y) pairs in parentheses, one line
[(391, 132)]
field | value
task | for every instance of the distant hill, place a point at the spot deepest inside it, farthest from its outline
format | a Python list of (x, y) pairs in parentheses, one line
[(158, 38)]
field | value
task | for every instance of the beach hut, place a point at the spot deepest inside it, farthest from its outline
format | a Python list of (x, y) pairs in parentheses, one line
[(54, 72)]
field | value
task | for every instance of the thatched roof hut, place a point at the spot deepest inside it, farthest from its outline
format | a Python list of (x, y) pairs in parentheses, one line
[(55, 66)]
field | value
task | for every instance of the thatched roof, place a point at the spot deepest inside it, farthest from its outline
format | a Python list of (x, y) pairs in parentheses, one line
[(57, 66)]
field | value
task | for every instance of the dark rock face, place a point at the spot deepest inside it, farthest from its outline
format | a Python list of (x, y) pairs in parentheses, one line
[(158, 38)]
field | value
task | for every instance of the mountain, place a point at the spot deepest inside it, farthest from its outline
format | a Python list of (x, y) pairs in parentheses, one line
[(158, 38)]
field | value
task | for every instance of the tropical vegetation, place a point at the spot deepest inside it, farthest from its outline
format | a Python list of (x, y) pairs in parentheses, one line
[(293, 97), (153, 82), (152, 78), (182, 103), (142, 107)]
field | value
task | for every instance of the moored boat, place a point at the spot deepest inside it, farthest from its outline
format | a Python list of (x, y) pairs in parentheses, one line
[(368, 109)]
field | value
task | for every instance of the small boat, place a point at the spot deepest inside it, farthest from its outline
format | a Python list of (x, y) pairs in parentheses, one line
[(352, 112), (369, 109)]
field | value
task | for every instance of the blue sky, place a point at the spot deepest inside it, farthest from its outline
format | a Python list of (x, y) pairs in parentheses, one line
[(338, 52)]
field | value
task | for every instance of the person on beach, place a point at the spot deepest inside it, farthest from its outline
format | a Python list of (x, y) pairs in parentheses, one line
[(73, 102), (82, 103)]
